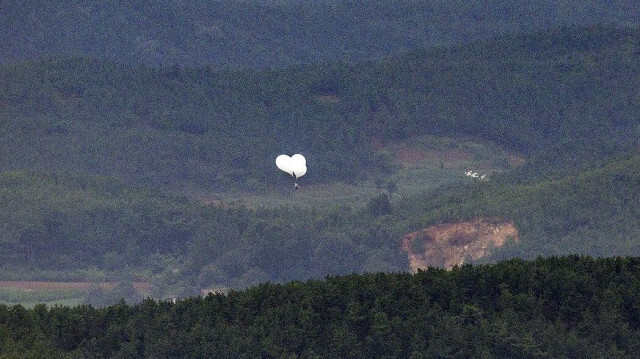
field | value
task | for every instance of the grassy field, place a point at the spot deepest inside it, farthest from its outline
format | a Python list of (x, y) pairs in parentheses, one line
[(30, 293), (420, 164), (30, 297)]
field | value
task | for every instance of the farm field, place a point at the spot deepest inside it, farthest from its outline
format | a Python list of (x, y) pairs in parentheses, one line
[(30, 293)]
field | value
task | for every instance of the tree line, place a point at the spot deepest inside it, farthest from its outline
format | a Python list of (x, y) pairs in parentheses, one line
[(58, 225), (570, 307)]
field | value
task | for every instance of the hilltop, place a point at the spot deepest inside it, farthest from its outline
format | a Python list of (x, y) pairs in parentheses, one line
[(280, 33), (182, 128)]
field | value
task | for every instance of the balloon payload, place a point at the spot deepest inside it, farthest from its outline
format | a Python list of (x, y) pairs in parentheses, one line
[(295, 165)]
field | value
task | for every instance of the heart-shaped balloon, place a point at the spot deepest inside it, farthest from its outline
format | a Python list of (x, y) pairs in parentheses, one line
[(295, 165)]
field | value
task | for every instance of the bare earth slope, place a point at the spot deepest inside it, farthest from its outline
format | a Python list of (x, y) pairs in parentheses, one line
[(451, 244)]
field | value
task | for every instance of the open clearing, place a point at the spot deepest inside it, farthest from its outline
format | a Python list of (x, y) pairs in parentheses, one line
[(30, 293), (140, 287), (420, 163)]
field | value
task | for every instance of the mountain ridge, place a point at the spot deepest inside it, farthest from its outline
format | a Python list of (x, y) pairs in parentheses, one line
[(260, 34)]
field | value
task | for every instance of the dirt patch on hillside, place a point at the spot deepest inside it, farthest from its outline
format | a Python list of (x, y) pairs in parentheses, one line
[(407, 156), (448, 245), (429, 150)]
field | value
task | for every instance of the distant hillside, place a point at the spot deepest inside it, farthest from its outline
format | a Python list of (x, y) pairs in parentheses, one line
[(210, 130), (81, 141), (241, 34), (60, 225), (594, 211)]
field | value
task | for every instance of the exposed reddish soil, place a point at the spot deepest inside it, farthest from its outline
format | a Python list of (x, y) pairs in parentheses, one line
[(516, 160), (411, 156), (430, 150), (448, 245)]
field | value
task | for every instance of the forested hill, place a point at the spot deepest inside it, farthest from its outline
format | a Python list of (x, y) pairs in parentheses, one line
[(79, 138), (58, 226), (594, 211), (548, 308), (255, 33), (174, 127)]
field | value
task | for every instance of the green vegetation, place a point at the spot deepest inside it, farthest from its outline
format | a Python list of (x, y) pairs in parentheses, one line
[(276, 33), (182, 246), (112, 173), (83, 141), (565, 307), (59, 222), (195, 129), (29, 298), (153, 167), (592, 211)]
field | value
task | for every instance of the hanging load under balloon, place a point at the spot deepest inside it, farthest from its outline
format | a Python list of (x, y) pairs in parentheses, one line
[(295, 165)]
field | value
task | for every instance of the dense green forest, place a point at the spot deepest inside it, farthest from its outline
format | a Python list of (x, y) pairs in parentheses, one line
[(568, 307), (59, 223), (210, 130), (593, 211), (83, 141), (121, 152), (276, 33), (57, 226)]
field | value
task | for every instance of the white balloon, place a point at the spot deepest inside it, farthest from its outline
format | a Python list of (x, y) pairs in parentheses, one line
[(299, 165), (295, 165), (299, 159), (284, 163), (300, 171)]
